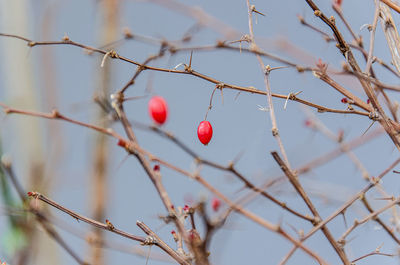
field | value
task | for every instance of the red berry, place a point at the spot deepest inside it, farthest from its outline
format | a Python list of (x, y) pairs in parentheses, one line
[(368, 101), (344, 100), (204, 132), (156, 167), (215, 204), (158, 109), (186, 208)]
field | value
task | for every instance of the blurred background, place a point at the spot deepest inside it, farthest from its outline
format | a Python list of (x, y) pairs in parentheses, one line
[(89, 174)]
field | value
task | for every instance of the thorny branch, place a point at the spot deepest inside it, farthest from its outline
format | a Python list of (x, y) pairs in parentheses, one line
[(198, 251), (387, 124), (187, 71), (40, 216), (300, 190), (343, 208), (110, 227), (134, 149)]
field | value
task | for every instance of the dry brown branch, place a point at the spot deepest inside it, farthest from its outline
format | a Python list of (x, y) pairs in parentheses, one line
[(155, 239), (338, 10), (341, 209), (365, 174), (108, 226), (328, 38), (371, 216), (239, 209), (391, 34), (266, 70), (376, 252), (379, 221), (296, 184), (134, 149), (386, 123), (190, 71), (391, 5), (195, 224), (229, 168), (39, 215)]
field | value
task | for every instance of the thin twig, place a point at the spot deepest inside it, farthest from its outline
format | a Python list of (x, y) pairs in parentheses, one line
[(266, 71), (371, 216), (372, 40), (104, 226), (379, 221), (161, 244), (371, 254)]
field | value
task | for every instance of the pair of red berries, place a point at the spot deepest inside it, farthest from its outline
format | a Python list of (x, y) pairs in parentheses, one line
[(158, 110)]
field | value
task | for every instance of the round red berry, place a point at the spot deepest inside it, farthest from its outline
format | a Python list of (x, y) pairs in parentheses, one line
[(205, 132), (158, 109), (344, 100)]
